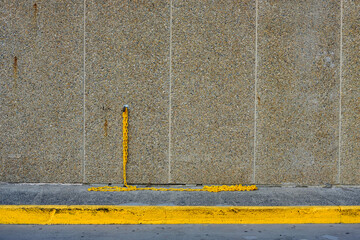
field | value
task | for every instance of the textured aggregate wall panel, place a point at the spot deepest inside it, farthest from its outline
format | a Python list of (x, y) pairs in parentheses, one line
[(350, 144), (213, 56), (187, 72), (7, 71), (298, 92), (41, 91), (127, 62)]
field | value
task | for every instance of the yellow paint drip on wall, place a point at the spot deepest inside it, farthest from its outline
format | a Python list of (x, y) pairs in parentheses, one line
[(128, 188), (51, 214)]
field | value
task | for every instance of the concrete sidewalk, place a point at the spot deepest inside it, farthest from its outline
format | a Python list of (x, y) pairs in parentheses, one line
[(74, 204), (57, 194)]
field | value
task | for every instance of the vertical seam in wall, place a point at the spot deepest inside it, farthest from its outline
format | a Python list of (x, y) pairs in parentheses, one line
[(255, 89), (84, 95), (340, 89), (170, 86)]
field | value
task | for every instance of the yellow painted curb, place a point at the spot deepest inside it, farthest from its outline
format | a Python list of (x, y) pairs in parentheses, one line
[(51, 214)]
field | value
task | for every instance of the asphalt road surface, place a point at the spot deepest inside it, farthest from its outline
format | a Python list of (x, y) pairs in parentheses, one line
[(186, 232)]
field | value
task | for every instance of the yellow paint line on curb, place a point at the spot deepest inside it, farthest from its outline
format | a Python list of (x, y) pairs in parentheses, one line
[(102, 214)]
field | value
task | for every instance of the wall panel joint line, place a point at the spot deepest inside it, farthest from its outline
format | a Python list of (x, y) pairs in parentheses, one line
[(170, 89), (255, 89), (340, 89), (84, 95)]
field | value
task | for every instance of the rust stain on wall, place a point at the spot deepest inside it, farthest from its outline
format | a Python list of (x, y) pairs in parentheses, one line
[(35, 12), (106, 127), (15, 69)]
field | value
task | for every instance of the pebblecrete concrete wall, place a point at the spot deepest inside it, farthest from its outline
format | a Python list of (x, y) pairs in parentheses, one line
[(220, 92)]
